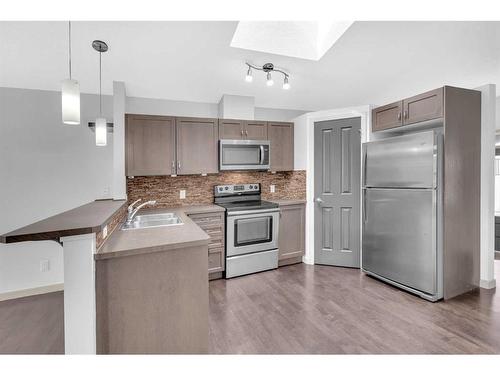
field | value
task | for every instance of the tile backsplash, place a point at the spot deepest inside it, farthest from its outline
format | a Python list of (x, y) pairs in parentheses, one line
[(200, 189)]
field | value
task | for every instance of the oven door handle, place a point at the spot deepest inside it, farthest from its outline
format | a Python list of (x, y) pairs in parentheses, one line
[(252, 212)]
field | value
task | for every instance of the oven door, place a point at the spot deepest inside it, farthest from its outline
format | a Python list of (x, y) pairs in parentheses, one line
[(244, 155), (252, 231)]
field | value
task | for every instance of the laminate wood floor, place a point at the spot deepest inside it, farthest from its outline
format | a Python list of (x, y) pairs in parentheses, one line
[(299, 309)]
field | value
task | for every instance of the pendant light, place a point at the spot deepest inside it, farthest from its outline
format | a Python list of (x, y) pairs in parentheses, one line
[(101, 130), (70, 93)]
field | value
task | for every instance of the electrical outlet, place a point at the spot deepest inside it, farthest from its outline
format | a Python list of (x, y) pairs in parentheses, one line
[(44, 265), (182, 194), (273, 188), (105, 232)]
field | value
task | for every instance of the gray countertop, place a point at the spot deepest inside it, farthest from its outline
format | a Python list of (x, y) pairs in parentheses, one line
[(89, 218), (288, 202), (147, 240)]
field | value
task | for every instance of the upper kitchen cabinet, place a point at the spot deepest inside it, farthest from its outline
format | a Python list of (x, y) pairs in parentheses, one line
[(255, 130), (281, 136), (197, 145), (149, 145), (231, 129), (423, 107), (387, 117), (242, 129), (418, 108)]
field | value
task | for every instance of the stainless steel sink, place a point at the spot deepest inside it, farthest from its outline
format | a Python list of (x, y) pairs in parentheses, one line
[(152, 221)]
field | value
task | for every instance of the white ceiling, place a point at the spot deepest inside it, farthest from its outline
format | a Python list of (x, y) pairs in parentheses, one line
[(372, 63)]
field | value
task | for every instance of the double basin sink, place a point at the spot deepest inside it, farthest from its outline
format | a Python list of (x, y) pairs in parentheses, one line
[(153, 221)]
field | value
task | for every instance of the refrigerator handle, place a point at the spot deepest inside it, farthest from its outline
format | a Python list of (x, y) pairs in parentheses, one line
[(363, 182), (364, 205)]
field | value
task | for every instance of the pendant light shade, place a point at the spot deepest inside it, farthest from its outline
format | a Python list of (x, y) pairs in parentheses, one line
[(101, 132), (70, 93), (70, 101)]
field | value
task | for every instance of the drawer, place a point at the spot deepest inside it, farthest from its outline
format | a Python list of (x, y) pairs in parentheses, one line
[(207, 218), (215, 260), (213, 246), (214, 232), (210, 226)]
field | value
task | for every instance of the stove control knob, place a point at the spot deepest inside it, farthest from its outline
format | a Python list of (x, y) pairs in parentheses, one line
[(251, 186), (220, 188), (255, 187), (227, 188)]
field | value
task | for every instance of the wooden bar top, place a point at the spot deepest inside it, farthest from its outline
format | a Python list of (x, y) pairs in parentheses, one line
[(89, 218)]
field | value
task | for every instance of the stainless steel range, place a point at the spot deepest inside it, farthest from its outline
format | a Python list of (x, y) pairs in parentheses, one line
[(251, 229)]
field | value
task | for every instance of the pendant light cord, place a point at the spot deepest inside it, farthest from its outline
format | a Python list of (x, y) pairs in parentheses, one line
[(69, 43), (100, 87)]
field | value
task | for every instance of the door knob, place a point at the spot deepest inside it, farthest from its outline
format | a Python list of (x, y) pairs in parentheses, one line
[(319, 200)]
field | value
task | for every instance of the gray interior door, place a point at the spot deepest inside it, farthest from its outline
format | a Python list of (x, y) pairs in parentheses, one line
[(337, 162)]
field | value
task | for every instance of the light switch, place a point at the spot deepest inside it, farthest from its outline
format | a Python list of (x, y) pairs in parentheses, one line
[(273, 188), (182, 194)]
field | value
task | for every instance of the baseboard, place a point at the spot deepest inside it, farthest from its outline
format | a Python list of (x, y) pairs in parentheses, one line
[(488, 284), (31, 291)]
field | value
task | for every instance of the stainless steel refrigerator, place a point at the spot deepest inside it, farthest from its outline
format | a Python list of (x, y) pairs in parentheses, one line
[(402, 212)]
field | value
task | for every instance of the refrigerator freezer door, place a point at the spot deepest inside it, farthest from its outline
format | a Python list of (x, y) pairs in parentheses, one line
[(404, 161), (399, 236)]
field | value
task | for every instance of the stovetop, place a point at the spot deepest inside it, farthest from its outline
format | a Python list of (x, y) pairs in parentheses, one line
[(248, 205)]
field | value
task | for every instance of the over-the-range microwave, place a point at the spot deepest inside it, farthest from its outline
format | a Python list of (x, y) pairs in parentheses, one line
[(235, 154)]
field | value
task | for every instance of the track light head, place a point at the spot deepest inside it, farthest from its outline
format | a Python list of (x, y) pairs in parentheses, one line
[(286, 84), (249, 77), (269, 81)]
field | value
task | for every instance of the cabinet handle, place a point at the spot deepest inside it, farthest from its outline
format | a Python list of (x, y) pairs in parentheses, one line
[(173, 167), (399, 116), (179, 165), (242, 132), (405, 114), (246, 133)]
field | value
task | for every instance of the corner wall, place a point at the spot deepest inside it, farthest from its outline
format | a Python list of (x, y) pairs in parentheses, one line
[(47, 168)]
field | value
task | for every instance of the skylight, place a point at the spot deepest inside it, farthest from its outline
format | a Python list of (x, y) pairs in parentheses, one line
[(303, 39)]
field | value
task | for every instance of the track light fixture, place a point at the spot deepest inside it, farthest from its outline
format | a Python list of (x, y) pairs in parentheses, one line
[(268, 68)]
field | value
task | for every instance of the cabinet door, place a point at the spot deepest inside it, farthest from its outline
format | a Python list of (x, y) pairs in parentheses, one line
[(149, 145), (255, 130), (387, 117), (197, 145), (231, 129), (291, 241), (423, 107), (281, 136)]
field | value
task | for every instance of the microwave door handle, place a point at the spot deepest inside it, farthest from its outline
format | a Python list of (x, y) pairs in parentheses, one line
[(261, 155)]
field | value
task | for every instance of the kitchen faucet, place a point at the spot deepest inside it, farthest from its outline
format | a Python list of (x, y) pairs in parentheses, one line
[(132, 212)]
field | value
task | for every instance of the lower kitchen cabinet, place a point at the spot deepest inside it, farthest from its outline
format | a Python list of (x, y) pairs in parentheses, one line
[(292, 228), (213, 224)]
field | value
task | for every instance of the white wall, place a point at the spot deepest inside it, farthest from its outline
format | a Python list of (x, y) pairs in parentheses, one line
[(46, 168), (237, 106), (488, 125), (195, 109), (171, 107), (275, 114)]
